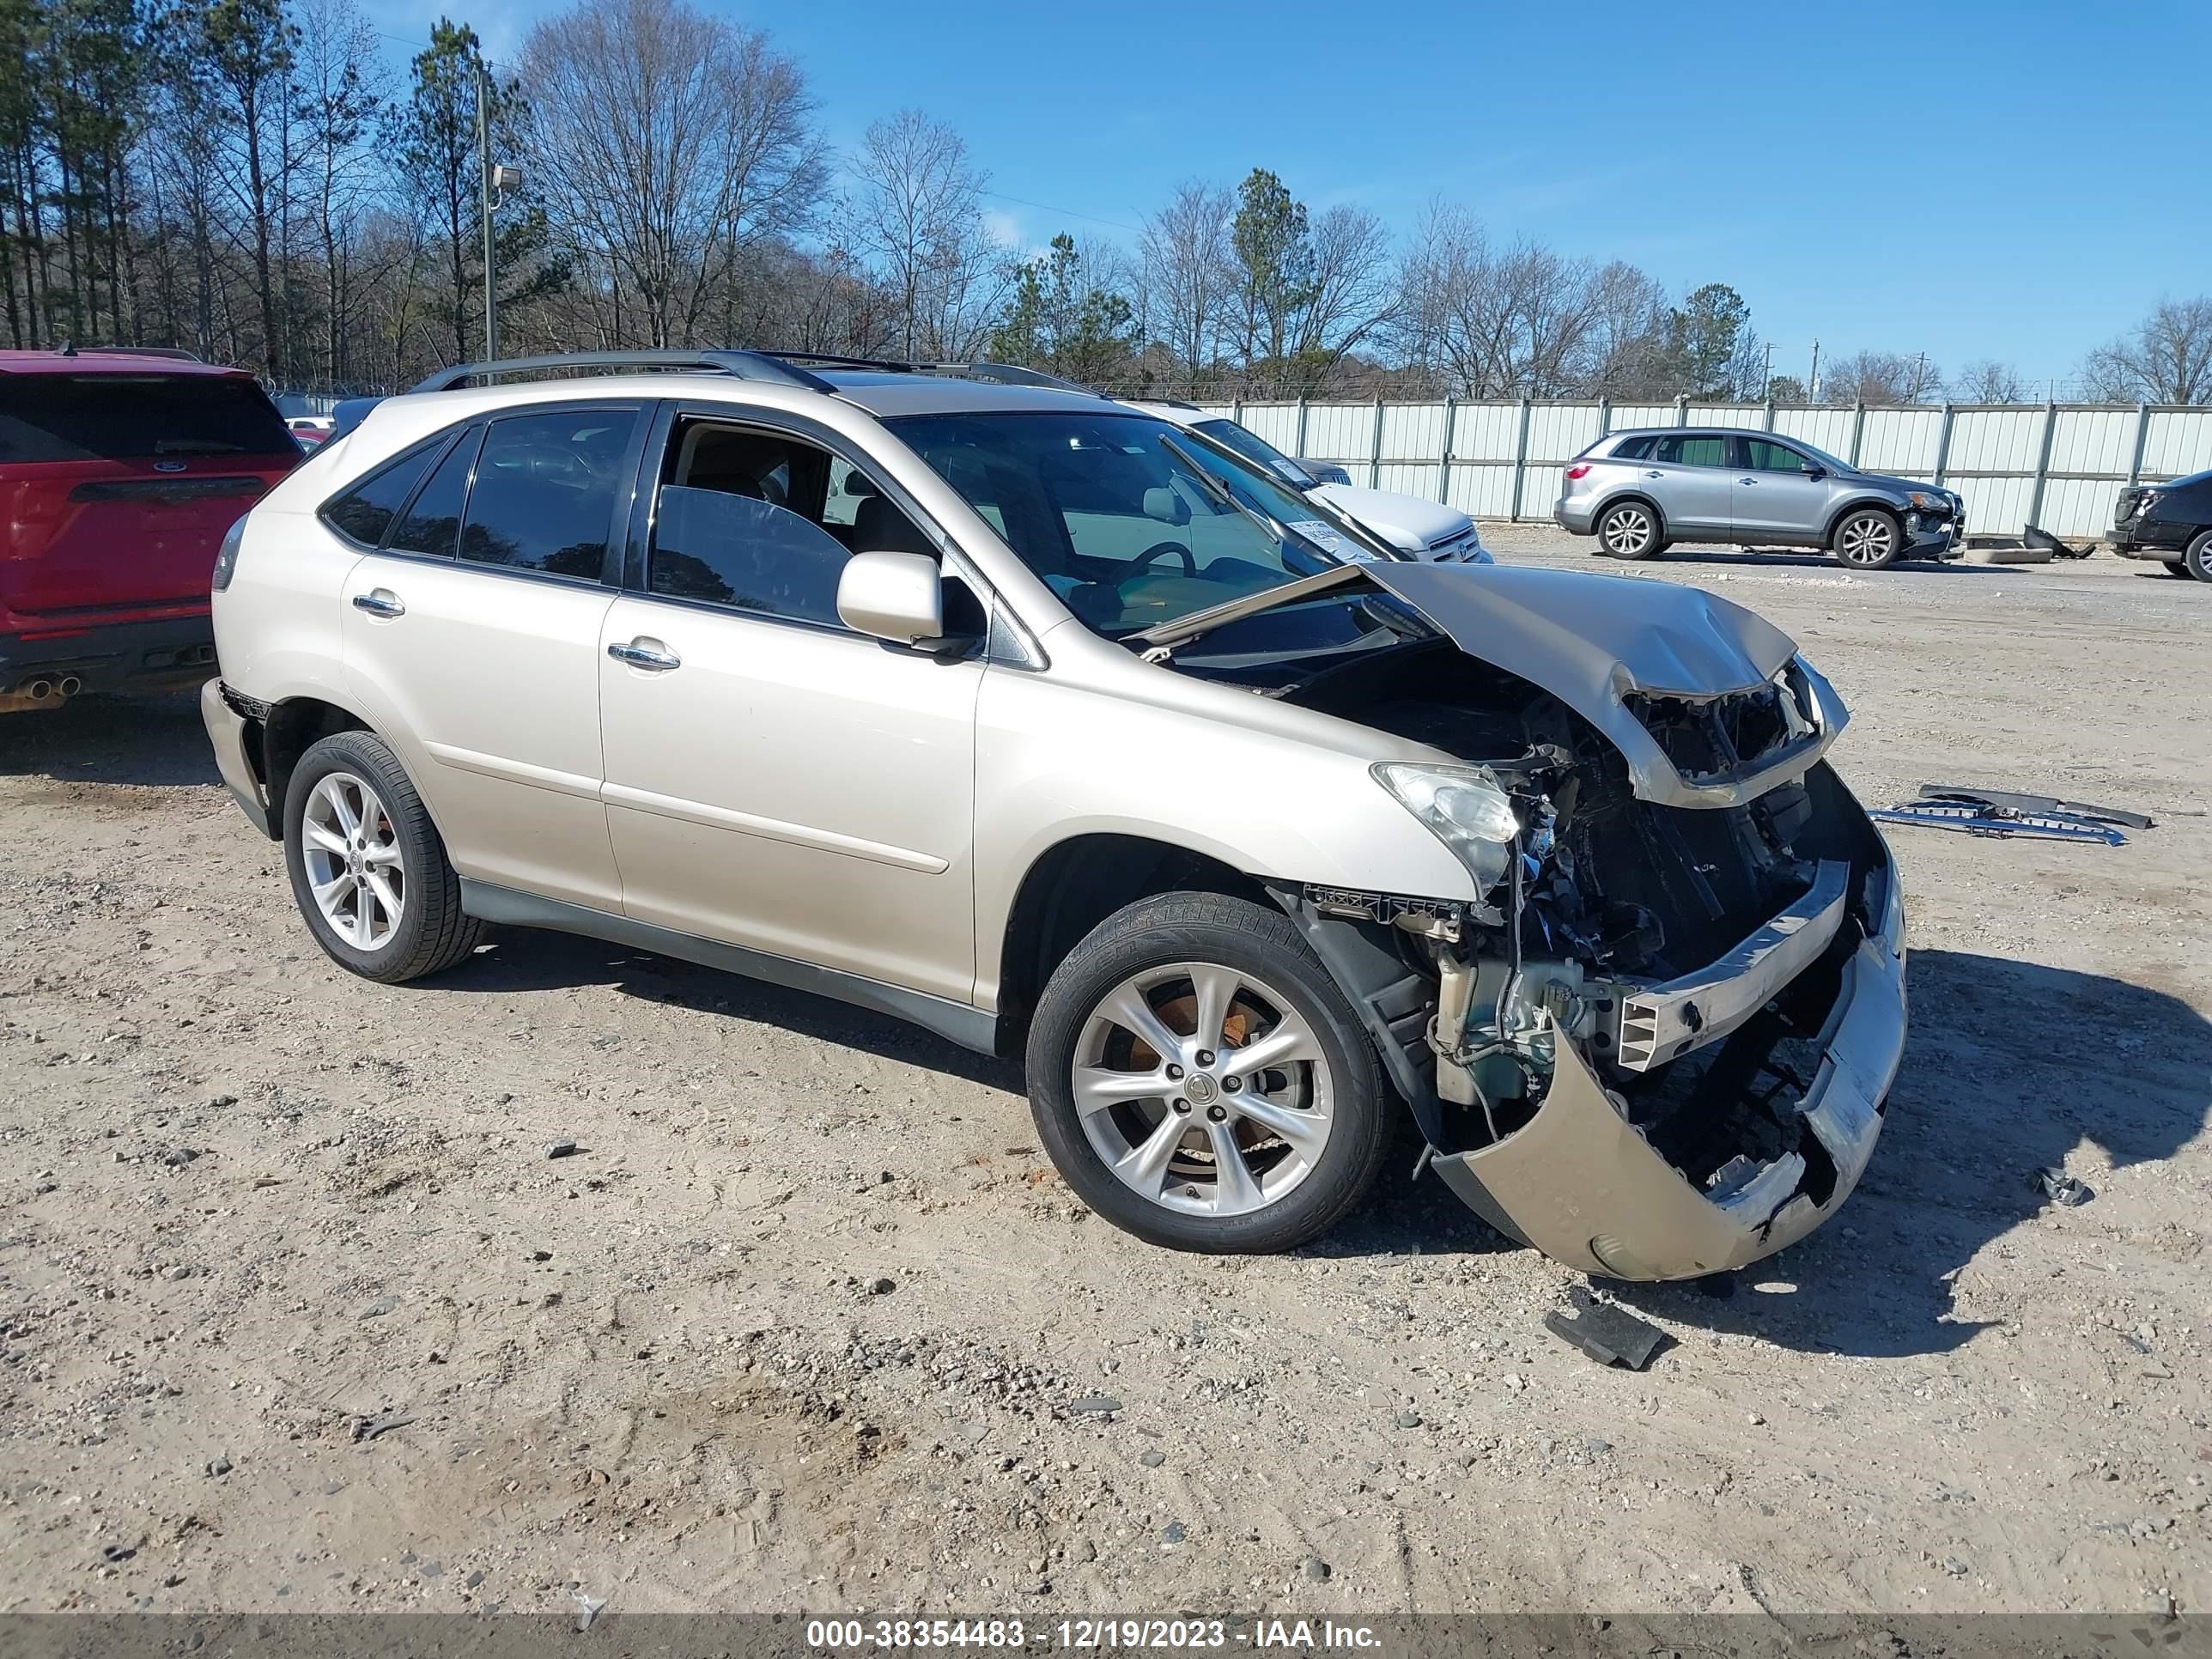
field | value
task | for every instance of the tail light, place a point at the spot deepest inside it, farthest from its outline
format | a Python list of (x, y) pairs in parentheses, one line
[(1579, 469)]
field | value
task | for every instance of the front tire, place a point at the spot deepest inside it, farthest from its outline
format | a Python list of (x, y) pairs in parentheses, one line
[(1198, 1079), (1867, 538), (2197, 562), (368, 868), (1628, 529)]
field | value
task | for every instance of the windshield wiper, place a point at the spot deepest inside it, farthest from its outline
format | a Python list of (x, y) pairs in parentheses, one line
[(1183, 629)]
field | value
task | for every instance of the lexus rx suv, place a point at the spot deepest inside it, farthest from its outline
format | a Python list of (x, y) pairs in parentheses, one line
[(1019, 715), (120, 472), (1638, 490)]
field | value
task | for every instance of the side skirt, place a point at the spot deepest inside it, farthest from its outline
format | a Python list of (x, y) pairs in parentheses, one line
[(971, 1028)]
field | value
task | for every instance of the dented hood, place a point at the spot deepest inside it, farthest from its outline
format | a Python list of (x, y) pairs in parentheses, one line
[(1590, 640)]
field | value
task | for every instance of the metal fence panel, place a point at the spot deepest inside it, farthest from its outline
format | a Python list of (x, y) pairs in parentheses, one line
[(2175, 442), (2015, 464), (1826, 429), (1902, 442)]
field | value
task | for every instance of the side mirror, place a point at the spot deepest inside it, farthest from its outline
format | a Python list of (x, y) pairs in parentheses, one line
[(1814, 469), (897, 597)]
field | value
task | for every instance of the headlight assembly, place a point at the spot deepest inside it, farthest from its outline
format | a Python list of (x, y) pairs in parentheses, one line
[(1462, 807)]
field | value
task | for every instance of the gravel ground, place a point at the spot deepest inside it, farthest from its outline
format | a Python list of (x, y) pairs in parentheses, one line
[(300, 1314)]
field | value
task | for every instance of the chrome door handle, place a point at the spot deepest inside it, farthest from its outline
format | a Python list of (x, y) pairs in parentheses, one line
[(380, 602), (638, 655)]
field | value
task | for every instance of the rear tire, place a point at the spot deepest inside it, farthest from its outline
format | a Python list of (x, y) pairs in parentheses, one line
[(2197, 562), (1867, 538), (368, 868), (1272, 1152), (1629, 530)]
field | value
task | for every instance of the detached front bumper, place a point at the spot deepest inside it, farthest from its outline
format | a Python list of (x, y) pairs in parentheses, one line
[(1582, 1184)]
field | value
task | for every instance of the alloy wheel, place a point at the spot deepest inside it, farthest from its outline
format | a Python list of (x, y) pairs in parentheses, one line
[(355, 866), (1203, 1089), (1627, 531), (1868, 540)]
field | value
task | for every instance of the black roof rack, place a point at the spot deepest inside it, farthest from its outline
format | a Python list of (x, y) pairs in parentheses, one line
[(745, 365), (69, 348), (777, 367)]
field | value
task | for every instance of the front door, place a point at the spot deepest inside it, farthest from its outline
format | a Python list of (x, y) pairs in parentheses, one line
[(472, 633), (773, 778), (1774, 498), (1688, 474)]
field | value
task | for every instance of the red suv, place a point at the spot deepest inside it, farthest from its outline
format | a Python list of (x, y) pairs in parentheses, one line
[(120, 473)]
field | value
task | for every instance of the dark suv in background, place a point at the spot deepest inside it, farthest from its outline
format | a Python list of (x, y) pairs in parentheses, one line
[(120, 473), (2170, 522)]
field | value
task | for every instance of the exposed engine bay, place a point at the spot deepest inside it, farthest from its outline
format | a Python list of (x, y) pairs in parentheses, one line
[(1625, 1051)]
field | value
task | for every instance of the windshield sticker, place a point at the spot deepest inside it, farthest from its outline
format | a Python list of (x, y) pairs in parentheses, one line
[(1330, 541)]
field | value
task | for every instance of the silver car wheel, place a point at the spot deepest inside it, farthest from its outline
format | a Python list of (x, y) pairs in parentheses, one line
[(1867, 538), (1627, 531), (1202, 1089), (355, 867)]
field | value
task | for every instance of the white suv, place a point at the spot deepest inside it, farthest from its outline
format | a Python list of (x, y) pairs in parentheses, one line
[(1416, 528), (1027, 717)]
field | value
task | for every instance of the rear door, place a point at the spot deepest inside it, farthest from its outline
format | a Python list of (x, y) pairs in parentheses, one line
[(1688, 475), (1773, 498), (471, 628), (117, 486)]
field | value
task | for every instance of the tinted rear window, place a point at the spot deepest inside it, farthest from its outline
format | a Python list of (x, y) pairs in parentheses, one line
[(136, 417)]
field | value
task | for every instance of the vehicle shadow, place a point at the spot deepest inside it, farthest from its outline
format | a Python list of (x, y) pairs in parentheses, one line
[(2010, 1067), (1798, 558), (1992, 1089), (156, 740), (532, 959)]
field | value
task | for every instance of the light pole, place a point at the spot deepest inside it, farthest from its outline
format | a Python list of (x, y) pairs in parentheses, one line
[(1813, 386), (494, 182), (483, 179)]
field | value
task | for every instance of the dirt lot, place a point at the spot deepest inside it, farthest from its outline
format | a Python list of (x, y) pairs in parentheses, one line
[(298, 1314)]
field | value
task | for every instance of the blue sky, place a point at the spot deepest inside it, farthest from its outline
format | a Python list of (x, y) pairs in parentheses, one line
[(1967, 178)]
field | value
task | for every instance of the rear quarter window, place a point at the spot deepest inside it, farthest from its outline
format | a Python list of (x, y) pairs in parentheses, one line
[(136, 418)]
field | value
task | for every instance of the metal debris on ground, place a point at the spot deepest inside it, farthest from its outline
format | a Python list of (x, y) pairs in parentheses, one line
[(1997, 812), (561, 1149), (2060, 1188), (1607, 1334), (2037, 535), (2079, 809), (369, 1427), (587, 1608)]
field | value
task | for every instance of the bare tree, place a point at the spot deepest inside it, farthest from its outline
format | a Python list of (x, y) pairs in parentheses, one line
[(1987, 381), (2165, 359), (1347, 288), (1518, 322), (672, 144), (1189, 278), (1880, 377), (919, 212), (1625, 353), (340, 87)]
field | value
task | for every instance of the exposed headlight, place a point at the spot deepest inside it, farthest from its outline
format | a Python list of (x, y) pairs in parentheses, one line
[(226, 559), (1928, 501), (1462, 807)]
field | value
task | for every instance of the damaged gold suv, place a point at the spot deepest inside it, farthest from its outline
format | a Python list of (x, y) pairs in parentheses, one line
[(1066, 732)]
